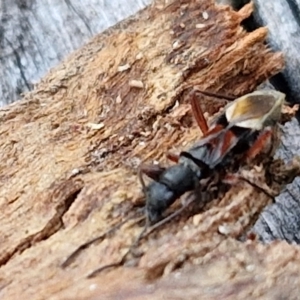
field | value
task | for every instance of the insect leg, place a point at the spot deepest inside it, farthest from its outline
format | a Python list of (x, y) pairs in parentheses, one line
[(170, 217), (266, 191), (264, 139), (232, 179), (173, 157), (217, 95), (152, 171), (198, 113), (143, 234)]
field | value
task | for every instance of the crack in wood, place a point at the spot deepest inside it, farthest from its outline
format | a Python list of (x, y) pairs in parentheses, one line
[(63, 196)]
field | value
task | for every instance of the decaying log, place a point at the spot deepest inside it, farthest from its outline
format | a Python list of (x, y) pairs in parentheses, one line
[(281, 220), (71, 147), (282, 19), (36, 36), (231, 271), (32, 43)]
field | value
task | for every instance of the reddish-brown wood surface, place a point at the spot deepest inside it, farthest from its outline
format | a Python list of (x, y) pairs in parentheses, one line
[(70, 151)]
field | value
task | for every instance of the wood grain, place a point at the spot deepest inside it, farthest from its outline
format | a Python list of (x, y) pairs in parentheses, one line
[(70, 151), (37, 35)]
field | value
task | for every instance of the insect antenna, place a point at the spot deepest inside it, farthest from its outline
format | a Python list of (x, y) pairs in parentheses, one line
[(101, 237), (146, 231), (141, 179), (123, 258), (217, 95), (169, 217)]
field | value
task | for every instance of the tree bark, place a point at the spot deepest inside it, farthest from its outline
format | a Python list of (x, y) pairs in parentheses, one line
[(282, 19), (70, 151), (37, 35), (281, 220)]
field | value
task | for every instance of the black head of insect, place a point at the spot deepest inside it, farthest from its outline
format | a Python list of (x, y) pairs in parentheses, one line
[(168, 186)]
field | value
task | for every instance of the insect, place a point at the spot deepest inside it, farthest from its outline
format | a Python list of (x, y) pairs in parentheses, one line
[(240, 133), (236, 136)]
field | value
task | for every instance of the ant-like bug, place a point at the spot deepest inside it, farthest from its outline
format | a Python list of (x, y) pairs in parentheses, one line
[(238, 135)]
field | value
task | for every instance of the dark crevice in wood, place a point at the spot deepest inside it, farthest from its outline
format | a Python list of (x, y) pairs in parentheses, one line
[(53, 226), (252, 23), (68, 202)]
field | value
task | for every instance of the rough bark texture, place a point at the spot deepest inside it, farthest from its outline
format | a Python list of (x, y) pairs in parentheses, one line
[(282, 19), (70, 151), (282, 219), (231, 271), (32, 43), (37, 35)]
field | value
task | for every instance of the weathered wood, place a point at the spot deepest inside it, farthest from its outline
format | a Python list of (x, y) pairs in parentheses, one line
[(282, 219), (69, 150), (37, 35), (282, 19), (231, 271), (31, 43)]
